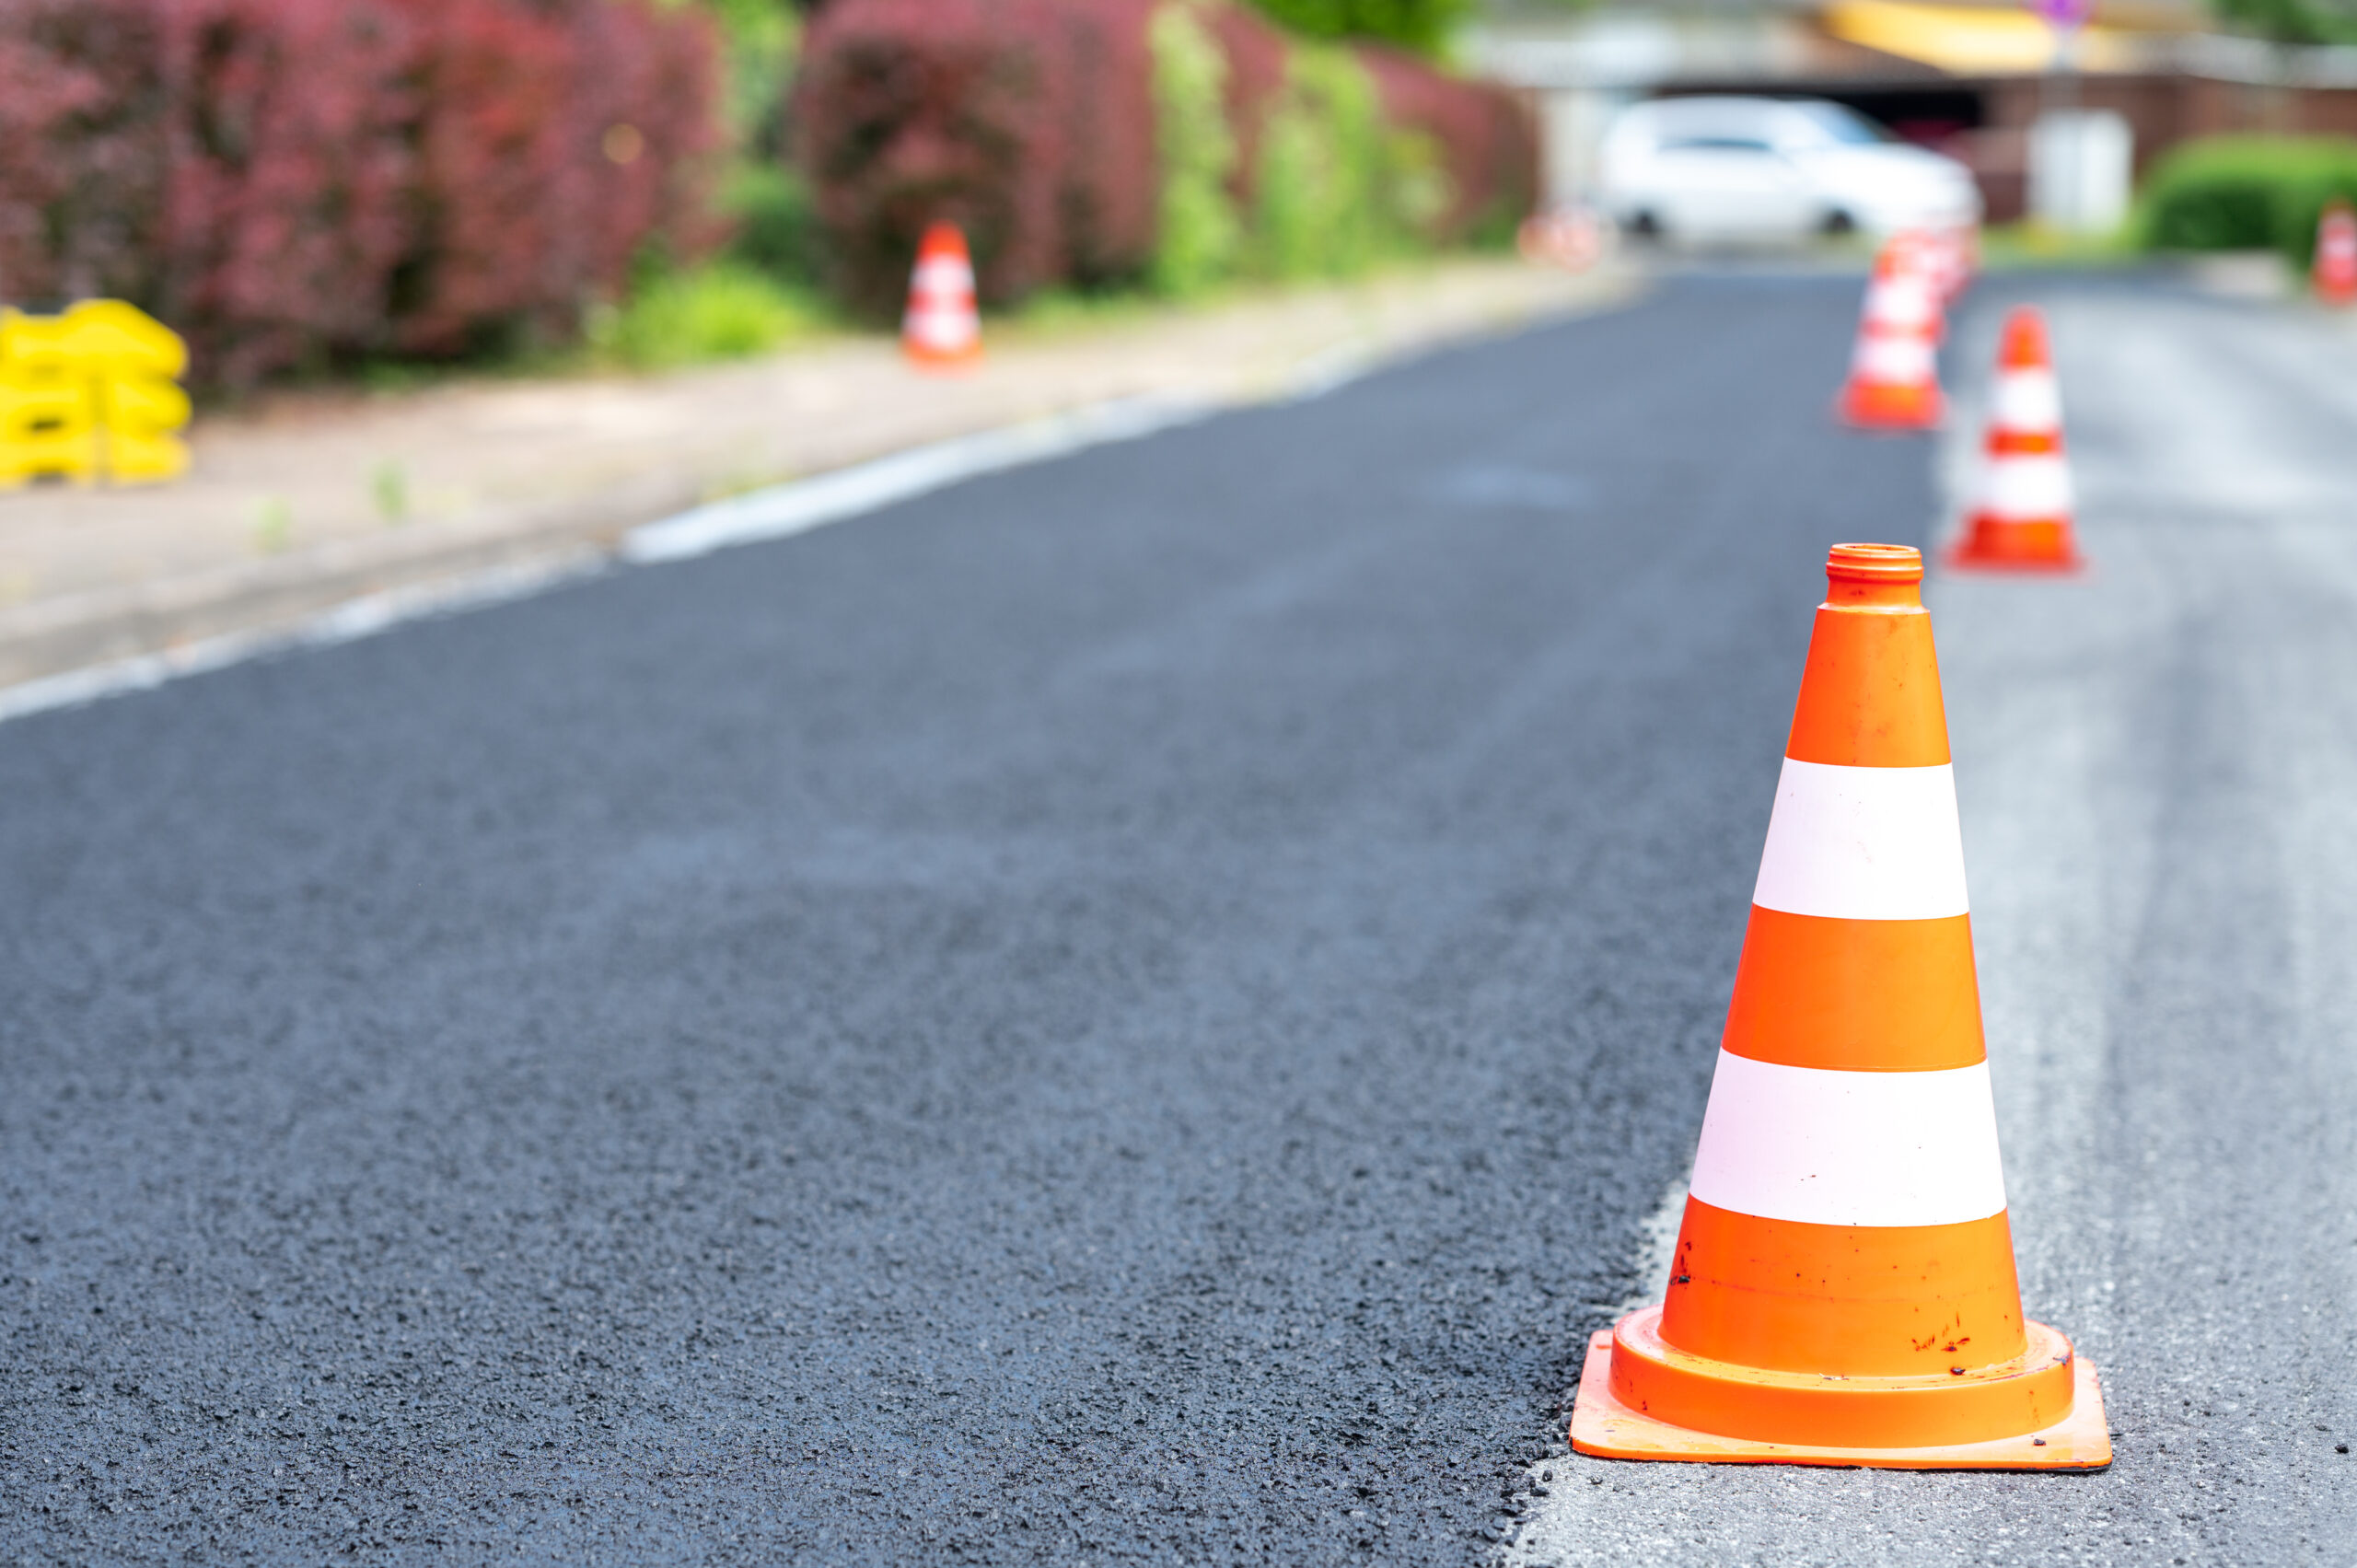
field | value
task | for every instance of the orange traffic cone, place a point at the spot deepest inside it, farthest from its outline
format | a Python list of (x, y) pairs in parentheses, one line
[(1956, 256), (1894, 373), (1843, 1289), (2022, 523), (2336, 262), (941, 331)]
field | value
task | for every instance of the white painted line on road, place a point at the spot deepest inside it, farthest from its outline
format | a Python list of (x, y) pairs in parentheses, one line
[(774, 512), (346, 623), (782, 510), (1657, 1248)]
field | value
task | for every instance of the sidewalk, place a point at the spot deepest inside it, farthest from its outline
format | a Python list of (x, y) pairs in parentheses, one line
[(293, 510)]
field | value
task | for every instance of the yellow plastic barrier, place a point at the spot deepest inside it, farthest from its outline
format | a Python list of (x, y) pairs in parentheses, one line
[(90, 395)]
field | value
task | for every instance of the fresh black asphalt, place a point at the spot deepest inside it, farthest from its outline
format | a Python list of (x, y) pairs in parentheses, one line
[(1128, 1011)]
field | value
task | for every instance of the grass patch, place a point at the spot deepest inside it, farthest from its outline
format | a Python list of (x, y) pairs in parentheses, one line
[(2030, 243), (725, 310)]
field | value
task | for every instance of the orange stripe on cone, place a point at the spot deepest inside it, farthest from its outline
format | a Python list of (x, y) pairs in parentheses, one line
[(1843, 1290), (2022, 519), (1844, 1301), (1859, 995), (942, 331)]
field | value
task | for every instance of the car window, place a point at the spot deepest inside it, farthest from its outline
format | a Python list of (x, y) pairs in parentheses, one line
[(1845, 125), (1706, 142)]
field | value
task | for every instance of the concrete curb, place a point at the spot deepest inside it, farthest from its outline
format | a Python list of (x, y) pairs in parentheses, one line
[(81, 647)]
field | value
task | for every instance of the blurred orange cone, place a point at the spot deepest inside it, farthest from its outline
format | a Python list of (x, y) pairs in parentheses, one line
[(941, 331), (2022, 522), (2335, 262), (1843, 1290), (1570, 238), (1956, 253), (1894, 372)]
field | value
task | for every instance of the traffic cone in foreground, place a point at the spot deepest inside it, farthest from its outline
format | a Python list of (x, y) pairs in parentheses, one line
[(2023, 521), (1843, 1289), (2336, 261), (942, 331), (1894, 372)]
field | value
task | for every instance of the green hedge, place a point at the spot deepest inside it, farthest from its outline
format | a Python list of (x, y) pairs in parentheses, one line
[(1424, 26), (2246, 194), (1333, 187), (1201, 235), (1325, 179)]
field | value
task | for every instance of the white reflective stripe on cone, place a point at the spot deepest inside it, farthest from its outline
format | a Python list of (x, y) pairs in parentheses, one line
[(941, 328), (943, 274), (1889, 359), (1864, 844), (1905, 303), (2027, 485), (2026, 401), (1825, 1147)]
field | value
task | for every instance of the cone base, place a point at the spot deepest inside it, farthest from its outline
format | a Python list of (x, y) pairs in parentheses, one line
[(1870, 407), (935, 364), (2010, 544), (1604, 1427)]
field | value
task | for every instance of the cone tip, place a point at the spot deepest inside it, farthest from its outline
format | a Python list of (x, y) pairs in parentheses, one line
[(1877, 563), (2025, 346)]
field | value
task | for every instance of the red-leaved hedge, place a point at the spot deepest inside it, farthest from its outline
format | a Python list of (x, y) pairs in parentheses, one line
[(1485, 135), (1030, 123), (287, 182)]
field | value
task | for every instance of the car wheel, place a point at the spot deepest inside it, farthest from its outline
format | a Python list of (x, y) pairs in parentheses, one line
[(1643, 225), (1836, 223)]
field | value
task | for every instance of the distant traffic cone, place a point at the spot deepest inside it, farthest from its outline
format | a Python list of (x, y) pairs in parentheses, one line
[(2022, 522), (1956, 252), (1843, 1290), (2335, 262), (1571, 238), (1894, 371), (942, 331)]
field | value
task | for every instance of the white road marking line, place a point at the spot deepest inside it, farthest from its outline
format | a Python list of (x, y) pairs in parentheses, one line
[(348, 622), (782, 510), (774, 512)]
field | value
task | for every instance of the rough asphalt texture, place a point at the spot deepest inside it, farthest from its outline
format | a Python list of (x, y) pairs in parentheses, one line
[(2157, 771), (1136, 1011)]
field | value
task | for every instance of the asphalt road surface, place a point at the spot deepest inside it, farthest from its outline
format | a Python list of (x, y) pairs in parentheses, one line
[(1139, 1010)]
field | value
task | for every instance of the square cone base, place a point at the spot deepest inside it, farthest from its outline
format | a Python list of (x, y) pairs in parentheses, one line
[(2034, 546), (1603, 1426)]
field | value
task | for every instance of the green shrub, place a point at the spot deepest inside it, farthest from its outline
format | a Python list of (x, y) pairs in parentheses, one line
[(1200, 234), (2246, 193), (1418, 190), (1326, 194), (777, 227), (723, 311), (1420, 25)]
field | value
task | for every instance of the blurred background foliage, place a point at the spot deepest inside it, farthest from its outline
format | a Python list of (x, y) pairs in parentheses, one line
[(2246, 194), (1108, 145), (2292, 21), (1420, 25), (336, 186)]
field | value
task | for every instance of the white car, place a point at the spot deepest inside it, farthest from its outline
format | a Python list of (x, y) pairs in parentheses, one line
[(1722, 171)]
